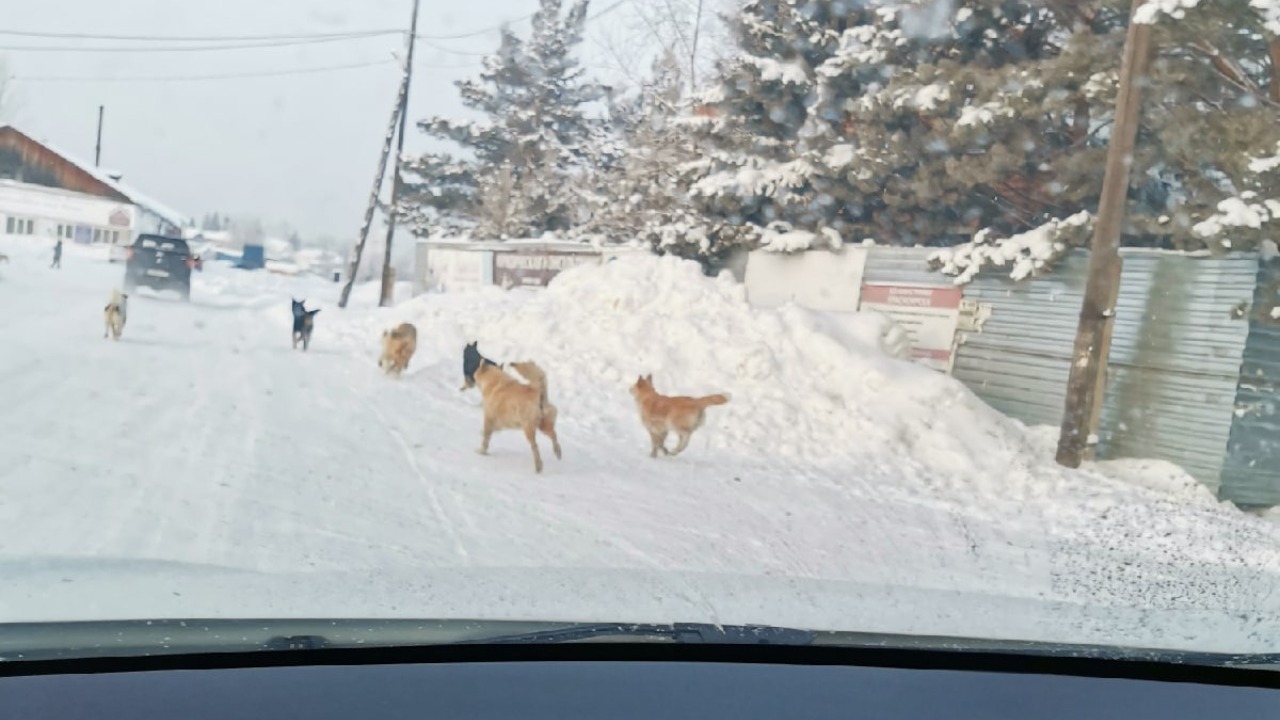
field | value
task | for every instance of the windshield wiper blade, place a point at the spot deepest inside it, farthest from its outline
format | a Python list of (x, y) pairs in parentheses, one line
[(682, 633)]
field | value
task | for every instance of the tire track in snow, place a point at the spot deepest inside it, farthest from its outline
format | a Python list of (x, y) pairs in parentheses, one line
[(436, 505)]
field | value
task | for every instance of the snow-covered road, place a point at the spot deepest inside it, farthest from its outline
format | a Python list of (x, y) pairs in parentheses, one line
[(202, 467)]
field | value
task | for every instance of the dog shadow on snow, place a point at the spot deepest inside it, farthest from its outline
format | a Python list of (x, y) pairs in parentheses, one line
[(146, 341), (313, 350)]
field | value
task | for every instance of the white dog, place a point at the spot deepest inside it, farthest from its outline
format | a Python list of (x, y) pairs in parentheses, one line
[(115, 314)]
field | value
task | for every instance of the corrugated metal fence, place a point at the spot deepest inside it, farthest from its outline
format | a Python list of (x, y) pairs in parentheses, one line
[(1250, 473), (1176, 360)]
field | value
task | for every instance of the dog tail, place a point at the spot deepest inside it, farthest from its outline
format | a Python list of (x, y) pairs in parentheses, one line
[(536, 377), (709, 400)]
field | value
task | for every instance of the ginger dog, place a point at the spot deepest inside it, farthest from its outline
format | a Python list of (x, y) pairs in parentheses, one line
[(661, 414), (398, 346), (512, 405)]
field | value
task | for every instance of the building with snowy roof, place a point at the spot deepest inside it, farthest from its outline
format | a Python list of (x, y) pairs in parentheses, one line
[(46, 192)]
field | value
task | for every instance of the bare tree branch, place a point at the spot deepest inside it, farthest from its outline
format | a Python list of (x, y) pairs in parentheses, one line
[(693, 52)]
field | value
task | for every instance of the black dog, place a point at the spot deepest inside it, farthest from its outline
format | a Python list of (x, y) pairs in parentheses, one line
[(303, 322), (471, 360)]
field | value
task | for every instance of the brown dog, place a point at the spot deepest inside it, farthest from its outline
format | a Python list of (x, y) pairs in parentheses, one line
[(398, 346), (114, 315), (661, 414), (512, 405)]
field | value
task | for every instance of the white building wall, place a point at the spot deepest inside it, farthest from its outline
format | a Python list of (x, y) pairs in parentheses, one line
[(36, 211)]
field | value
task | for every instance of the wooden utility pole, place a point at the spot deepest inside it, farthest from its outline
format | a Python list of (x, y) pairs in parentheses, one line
[(1087, 384), (388, 273), (97, 149), (358, 249)]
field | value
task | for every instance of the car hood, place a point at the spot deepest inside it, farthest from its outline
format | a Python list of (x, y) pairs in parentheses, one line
[(59, 590)]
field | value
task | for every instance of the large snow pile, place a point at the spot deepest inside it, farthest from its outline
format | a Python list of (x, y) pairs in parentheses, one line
[(804, 386), (820, 399)]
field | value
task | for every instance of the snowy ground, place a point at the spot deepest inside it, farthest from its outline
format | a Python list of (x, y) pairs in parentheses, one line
[(201, 468)]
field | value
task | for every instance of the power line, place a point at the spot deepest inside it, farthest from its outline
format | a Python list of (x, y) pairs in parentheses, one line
[(607, 10), (429, 38), (198, 38), (193, 78), (232, 76), (451, 51), (476, 33), (372, 32), (185, 48), (269, 73)]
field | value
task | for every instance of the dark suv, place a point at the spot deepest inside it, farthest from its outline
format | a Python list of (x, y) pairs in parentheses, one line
[(160, 263)]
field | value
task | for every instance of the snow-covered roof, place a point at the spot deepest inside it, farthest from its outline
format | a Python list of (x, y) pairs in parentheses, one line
[(168, 214)]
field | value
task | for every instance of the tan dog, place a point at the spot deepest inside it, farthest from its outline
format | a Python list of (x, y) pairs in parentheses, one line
[(115, 314), (512, 405), (661, 414), (398, 346)]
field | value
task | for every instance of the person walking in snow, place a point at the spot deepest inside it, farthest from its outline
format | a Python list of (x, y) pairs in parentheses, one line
[(57, 255)]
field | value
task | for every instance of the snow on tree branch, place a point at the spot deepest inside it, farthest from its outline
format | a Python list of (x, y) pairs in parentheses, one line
[(780, 237), (1241, 216), (1027, 254), (757, 177), (1244, 211), (1153, 10)]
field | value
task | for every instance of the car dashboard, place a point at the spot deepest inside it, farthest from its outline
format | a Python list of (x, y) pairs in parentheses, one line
[(592, 681)]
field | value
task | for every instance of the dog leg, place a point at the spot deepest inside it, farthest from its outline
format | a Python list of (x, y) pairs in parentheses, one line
[(658, 438), (488, 433), (684, 441), (548, 428), (295, 341), (531, 434)]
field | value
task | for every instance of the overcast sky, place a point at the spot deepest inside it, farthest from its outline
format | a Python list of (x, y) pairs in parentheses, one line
[(297, 148)]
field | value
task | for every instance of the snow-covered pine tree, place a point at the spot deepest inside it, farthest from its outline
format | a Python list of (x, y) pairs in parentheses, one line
[(646, 202), (982, 122), (759, 134), (1215, 119), (519, 165), (1201, 176)]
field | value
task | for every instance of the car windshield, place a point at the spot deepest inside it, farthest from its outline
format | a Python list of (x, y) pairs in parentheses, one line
[(163, 244), (877, 318)]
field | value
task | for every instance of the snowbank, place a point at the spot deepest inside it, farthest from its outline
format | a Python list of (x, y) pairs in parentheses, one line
[(839, 489), (804, 388), (816, 401)]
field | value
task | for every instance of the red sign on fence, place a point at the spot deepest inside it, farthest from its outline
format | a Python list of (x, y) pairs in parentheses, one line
[(929, 314)]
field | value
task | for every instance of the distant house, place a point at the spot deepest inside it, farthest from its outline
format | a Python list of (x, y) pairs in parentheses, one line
[(49, 193)]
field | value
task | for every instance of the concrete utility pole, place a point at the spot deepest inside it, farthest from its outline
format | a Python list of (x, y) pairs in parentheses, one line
[(97, 149), (1087, 384), (388, 273), (358, 250)]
